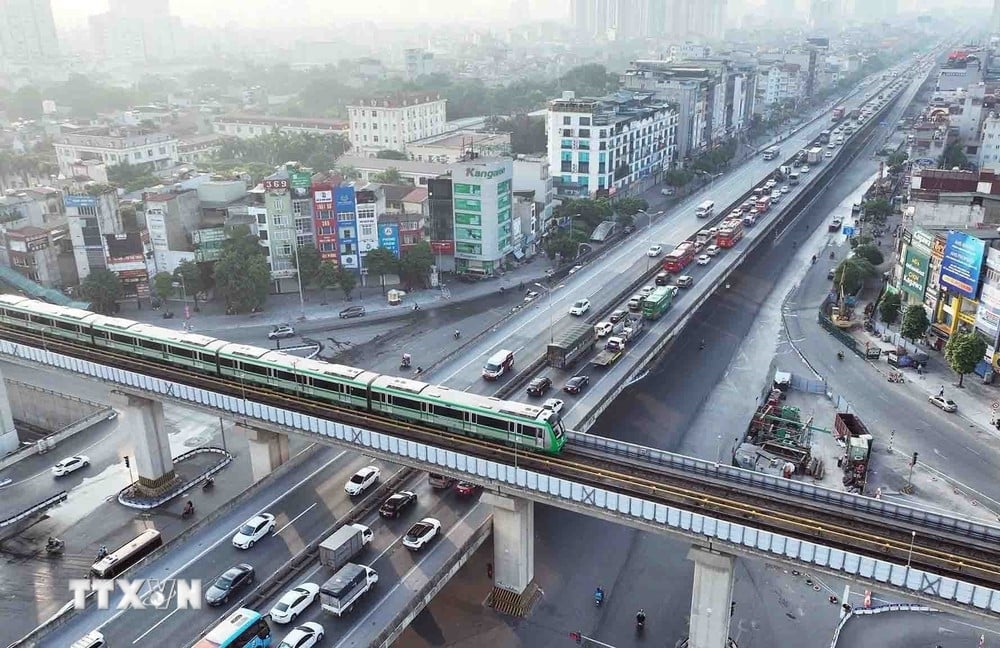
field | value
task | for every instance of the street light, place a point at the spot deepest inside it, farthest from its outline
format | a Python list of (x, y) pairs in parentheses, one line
[(549, 293), (298, 277)]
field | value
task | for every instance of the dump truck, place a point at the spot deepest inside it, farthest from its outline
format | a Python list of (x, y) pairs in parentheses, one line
[(564, 350), (815, 155), (612, 351), (351, 581), (343, 545), (849, 430)]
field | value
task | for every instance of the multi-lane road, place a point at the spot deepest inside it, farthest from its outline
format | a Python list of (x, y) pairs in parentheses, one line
[(314, 499)]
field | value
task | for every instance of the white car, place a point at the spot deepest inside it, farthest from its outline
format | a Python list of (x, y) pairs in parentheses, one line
[(646, 291), (704, 259), (421, 533), (362, 480), (306, 635), (654, 250), (776, 197), (580, 307), (828, 154), (530, 296), (603, 328), (804, 169), (281, 332), (253, 530), (712, 250), (70, 464), (785, 189), (553, 404), (293, 602), (685, 281)]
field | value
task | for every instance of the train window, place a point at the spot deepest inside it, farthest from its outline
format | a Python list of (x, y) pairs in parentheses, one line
[(287, 376), (15, 315), (123, 339), (44, 321), (488, 421), (256, 369), (205, 357), (359, 392), (226, 362), (67, 326), (408, 403), (319, 383), (181, 351), (449, 412), (151, 345)]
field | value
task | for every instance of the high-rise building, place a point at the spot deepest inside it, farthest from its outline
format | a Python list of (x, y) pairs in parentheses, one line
[(482, 192), (136, 31), (995, 18), (27, 31), (824, 14)]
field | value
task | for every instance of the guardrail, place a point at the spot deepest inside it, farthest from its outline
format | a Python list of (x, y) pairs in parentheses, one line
[(180, 488), (35, 509), (892, 607)]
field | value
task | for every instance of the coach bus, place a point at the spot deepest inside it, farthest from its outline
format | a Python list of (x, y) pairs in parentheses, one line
[(128, 554), (243, 628)]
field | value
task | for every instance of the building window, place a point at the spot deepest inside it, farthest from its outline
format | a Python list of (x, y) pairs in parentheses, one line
[(567, 121)]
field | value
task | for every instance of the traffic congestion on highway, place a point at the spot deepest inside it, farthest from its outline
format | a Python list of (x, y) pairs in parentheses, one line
[(412, 528)]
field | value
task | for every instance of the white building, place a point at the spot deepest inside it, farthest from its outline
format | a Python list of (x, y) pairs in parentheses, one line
[(784, 82), (602, 146), (392, 122), (989, 148), (414, 172), (483, 209), (532, 174), (27, 31), (250, 126), (116, 146), (170, 220)]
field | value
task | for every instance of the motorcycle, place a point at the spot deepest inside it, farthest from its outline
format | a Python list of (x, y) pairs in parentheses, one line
[(457, 334), (598, 597), (896, 377), (208, 484), (814, 259), (55, 547), (840, 355), (640, 622), (405, 362), (187, 512)]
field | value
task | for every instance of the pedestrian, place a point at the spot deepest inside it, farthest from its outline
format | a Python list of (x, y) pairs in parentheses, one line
[(489, 570), (941, 392)]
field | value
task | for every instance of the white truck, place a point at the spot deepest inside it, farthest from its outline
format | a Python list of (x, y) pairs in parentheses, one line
[(343, 545), (339, 594), (632, 329), (814, 155), (499, 363)]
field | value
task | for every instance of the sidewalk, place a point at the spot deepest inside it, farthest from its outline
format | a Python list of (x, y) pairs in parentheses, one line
[(322, 305)]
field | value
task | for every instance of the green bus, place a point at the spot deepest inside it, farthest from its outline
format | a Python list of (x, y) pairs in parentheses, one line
[(656, 303)]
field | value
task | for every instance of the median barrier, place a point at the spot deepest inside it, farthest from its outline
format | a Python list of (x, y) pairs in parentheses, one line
[(68, 612)]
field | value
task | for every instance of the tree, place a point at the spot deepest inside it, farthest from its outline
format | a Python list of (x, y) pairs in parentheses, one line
[(897, 158), (963, 352), (103, 289), (163, 285), (347, 280), (953, 156), (189, 275), (389, 154), (869, 252), (878, 208), (381, 262), (416, 264), (889, 308), (851, 274), (678, 177), (349, 172), (631, 206), (242, 277), (308, 263), (915, 322), (327, 275), (389, 176)]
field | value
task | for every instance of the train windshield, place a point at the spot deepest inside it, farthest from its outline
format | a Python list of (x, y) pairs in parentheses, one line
[(557, 426)]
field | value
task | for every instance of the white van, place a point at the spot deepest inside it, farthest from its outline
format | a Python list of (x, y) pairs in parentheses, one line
[(499, 363), (705, 209), (92, 640)]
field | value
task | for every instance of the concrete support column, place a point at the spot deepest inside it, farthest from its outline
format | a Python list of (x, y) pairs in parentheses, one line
[(268, 450), (711, 598), (154, 464), (8, 435), (513, 542)]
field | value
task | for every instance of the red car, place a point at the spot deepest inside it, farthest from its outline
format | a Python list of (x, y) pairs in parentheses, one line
[(466, 488)]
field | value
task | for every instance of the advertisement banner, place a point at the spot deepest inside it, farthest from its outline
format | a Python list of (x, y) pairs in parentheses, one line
[(323, 196), (276, 185), (443, 247), (988, 312), (962, 263), (922, 240), (915, 265), (79, 201), (388, 237), (343, 200), (301, 182)]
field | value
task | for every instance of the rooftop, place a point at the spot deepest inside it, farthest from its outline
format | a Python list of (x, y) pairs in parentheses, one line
[(283, 121), (404, 166), (398, 100)]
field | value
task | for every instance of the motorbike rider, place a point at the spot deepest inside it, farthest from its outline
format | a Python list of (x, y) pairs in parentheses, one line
[(102, 552), (701, 345), (599, 595), (189, 508), (458, 334), (640, 617)]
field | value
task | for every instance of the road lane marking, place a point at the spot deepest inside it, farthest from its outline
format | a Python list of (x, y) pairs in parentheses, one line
[(155, 626), (225, 536), (292, 521)]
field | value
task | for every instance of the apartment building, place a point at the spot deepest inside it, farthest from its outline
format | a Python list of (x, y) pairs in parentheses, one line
[(482, 193), (251, 126), (287, 223), (27, 31), (34, 236), (783, 83), (603, 146), (171, 218), (113, 146), (393, 122)]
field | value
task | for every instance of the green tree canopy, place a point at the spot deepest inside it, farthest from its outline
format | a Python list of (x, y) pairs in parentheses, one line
[(242, 277), (851, 274), (889, 308), (191, 277), (133, 177), (954, 156), (389, 176), (963, 352), (879, 208), (163, 285), (415, 266), (381, 262), (347, 281), (869, 252), (678, 177), (915, 322), (308, 263), (631, 206), (327, 275), (278, 147), (103, 289)]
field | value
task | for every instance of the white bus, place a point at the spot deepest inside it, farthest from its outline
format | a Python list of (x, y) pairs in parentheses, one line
[(128, 554), (771, 153), (705, 209)]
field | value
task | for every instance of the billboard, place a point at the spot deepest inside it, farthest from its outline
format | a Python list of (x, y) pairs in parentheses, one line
[(79, 201), (915, 266), (322, 196), (388, 237), (988, 312), (962, 263), (276, 185), (343, 200), (301, 182)]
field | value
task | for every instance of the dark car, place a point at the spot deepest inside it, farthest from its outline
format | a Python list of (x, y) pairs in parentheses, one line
[(617, 316), (230, 582), (662, 278), (397, 503), (539, 386), (576, 384), (352, 311)]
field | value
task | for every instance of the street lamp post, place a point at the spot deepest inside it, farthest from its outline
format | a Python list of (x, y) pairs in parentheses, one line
[(298, 277)]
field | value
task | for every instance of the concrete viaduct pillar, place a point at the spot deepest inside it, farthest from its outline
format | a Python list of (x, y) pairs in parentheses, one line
[(268, 450), (513, 552), (8, 435), (711, 598), (153, 463)]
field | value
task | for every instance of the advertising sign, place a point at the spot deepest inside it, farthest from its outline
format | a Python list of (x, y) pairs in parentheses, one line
[(343, 200), (388, 237), (922, 240), (962, 263), (276, 185), (443, 247), (915, 266), (301, 183), (79, 201), (988, 312), (323, 196)]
